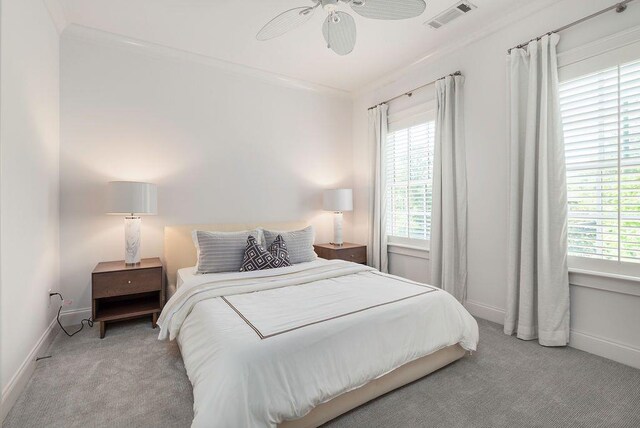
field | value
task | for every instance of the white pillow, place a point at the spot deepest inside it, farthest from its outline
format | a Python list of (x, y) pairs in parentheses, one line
[(299, 243), (222, 251)]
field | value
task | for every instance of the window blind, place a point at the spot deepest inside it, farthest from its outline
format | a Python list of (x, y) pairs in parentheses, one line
[(409, 174), (601, 121)]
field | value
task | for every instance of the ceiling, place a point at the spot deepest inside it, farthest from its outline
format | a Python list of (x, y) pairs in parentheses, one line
[(225, 29)]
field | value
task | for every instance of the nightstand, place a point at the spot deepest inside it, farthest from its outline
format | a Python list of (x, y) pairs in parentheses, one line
[(350, 252), (120, 292)]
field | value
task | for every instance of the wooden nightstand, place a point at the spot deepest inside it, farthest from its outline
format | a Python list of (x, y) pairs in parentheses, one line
[(350, 252), (120, 292)]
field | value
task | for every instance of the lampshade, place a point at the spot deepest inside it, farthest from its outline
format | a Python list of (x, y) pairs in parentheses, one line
[(130, 197), (338, 200)]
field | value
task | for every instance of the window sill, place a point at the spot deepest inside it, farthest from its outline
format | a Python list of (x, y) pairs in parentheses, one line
[(408, 250), (605, 281), (604, 274)]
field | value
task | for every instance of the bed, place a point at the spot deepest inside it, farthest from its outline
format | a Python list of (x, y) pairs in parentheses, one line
[(301, 345)]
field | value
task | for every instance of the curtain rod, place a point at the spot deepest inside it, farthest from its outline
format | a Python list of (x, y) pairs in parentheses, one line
[(618, 7), (410, 93)]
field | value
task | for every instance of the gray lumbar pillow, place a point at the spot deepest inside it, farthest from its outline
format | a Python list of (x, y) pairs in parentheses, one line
[(222, 251), (299, 243)]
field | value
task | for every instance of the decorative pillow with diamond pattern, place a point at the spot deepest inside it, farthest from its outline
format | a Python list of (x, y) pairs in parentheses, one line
[(257, 258), (279, 250)]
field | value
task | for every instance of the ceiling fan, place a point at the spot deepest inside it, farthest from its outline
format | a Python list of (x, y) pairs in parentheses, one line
[(339, 29)]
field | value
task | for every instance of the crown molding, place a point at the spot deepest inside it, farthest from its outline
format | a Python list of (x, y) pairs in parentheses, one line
[(56, 12), (155, 50), (165, 51), (452, 47)]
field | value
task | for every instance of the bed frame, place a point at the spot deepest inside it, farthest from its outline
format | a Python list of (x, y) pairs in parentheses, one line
[(179, 252)]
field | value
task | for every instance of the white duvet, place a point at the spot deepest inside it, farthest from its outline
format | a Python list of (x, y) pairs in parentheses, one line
[(263, 347)]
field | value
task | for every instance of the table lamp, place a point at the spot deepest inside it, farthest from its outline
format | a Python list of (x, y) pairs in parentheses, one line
[(132, 199), (338, 201)]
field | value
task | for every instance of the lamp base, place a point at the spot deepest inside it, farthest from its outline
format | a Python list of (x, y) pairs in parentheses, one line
[(132, 240), (337, 229)]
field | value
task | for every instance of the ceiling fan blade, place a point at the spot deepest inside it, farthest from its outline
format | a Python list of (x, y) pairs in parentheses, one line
[(339, 30), (388, 9), (285, 22)]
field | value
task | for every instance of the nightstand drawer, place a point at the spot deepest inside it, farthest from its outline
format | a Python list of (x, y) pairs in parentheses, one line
[(356, 255), (350, 252), (126, 282)]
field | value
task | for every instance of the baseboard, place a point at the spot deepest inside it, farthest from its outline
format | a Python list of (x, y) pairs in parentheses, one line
[(19, 380), (74, 316), (606, 348), (592, 344), (486, 312)]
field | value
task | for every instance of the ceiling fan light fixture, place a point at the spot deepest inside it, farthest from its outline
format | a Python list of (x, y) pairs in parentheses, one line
[(330, 6)]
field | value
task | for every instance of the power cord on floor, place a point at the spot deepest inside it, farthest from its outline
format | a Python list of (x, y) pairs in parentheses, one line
[(89, 321)]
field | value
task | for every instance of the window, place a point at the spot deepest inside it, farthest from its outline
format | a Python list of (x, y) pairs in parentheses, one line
[(409, 173), (601, 120)]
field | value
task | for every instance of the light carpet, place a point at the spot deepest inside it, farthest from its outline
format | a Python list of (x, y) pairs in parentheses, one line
[(130, 379)]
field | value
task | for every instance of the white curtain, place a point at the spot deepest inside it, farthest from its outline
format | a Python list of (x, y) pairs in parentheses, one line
[(377, 245), (449, 210), (538, 280)]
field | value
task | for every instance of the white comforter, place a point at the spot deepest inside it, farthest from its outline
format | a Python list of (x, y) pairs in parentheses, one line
[(268, 346)]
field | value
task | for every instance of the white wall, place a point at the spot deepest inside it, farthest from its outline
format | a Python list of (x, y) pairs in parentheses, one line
[(223, 147), (29, 152), (483, 63)]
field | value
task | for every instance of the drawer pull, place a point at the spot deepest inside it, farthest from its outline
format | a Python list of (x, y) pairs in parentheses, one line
[(129, 282)]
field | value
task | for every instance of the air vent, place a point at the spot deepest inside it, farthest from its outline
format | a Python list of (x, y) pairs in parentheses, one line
[(450, 14)]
